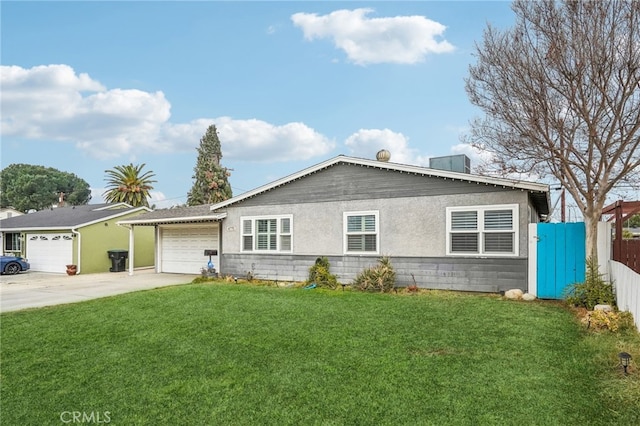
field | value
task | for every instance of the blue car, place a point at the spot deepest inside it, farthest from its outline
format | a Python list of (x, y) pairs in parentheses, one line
[(11, 265)]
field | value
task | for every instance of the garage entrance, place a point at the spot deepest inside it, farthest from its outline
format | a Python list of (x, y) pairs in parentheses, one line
[(182, 247), (49, 252)]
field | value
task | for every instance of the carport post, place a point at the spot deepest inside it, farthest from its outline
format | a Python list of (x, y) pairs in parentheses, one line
[(131, 250)]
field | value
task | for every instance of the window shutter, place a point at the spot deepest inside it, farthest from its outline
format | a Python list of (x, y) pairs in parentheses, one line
[(464, 242), (285, 234), (464, 220), (361, 233), (498, 219), (247, 235), (498, 242)]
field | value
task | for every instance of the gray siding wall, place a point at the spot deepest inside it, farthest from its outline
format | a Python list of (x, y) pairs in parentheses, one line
[(442, 273), (348, 182)]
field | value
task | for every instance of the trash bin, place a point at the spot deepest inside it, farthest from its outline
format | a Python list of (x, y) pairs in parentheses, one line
[(118, 260)]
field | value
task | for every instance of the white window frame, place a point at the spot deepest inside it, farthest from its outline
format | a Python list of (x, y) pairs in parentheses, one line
[(279, 234), (481, 231), (346, 233), (12, 237)]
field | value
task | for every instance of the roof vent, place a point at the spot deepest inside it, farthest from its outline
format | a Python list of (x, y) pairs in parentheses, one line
[(452, 163), (383, 155)]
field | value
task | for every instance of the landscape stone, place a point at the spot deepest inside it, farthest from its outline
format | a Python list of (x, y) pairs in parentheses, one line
[(513, 294), (605, 308)]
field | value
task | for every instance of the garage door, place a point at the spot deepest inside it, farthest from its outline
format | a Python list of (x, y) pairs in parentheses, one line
[(182, 248), (50, 252)]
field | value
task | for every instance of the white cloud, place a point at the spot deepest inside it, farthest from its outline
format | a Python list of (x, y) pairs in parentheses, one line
[(159, 200), (476, 155), (54, 103), (399, 39), (366, 143), (256, 140), (483, 161)]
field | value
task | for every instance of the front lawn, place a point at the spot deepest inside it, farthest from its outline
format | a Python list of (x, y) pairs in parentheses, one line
[(225, 354)]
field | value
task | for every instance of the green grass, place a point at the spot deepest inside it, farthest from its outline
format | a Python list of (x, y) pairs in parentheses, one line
[(216, 354)]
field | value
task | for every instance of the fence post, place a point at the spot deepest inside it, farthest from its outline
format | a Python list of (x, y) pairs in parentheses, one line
[(604, 248)]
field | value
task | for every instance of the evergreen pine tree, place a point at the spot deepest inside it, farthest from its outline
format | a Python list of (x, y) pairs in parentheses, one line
[(211, 184)]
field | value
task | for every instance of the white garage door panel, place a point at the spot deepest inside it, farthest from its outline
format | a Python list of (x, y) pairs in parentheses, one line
[(49, 252), (183, 248)]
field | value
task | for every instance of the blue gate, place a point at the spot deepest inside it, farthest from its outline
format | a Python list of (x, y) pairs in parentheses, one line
[(560, 256)]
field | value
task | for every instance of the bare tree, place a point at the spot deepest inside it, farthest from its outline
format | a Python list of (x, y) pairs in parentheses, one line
[(561, 96)]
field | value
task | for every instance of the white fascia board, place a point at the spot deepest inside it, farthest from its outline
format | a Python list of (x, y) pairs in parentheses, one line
[(114, 216), (173, 220), (39, 229)]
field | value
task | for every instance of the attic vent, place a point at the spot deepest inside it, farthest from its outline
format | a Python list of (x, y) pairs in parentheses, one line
[(452, 163), (383, 155)]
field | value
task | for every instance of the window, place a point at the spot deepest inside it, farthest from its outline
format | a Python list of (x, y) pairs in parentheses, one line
[(486, 230), (12, 242), (361, 232), (267, 233)]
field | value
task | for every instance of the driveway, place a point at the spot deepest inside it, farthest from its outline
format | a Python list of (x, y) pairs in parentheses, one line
[(37, 289)]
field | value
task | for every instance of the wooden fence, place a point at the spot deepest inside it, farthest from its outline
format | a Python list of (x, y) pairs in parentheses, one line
[(627, 252), (627, 284)]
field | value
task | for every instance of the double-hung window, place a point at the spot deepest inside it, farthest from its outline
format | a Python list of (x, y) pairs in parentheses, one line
[(361, 232), (483, 230), (267, 233)]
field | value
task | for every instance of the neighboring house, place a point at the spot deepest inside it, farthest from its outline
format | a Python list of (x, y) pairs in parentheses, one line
[(446, 230), (9, 212), (80, 235)]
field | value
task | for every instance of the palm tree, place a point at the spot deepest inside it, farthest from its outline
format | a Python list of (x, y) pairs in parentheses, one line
[(126, 184)]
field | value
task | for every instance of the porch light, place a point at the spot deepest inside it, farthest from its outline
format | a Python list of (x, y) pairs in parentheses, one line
[(625, 358)]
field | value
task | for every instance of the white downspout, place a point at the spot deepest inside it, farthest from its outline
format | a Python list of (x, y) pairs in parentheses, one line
[(79, 235)]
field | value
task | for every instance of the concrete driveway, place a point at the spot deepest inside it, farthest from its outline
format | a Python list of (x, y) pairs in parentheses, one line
[(37, 289)]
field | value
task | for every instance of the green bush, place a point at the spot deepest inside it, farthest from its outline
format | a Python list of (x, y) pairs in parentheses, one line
[(320, 275), (380, 278), (594, 291), (612, 321)]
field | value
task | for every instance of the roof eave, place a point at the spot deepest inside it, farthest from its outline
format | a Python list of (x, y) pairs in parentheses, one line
[(161, 221), (40, 228)]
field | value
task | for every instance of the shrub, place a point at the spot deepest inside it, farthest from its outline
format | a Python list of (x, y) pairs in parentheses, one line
[(320, 275), (612, 321), (380, 278), (203, 279), (594, 291)]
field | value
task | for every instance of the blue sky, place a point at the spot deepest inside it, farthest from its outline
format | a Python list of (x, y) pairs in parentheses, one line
[(87, 86)]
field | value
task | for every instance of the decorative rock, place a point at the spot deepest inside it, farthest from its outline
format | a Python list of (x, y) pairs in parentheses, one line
[(514, 294), (528, 297), (605, 308)]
